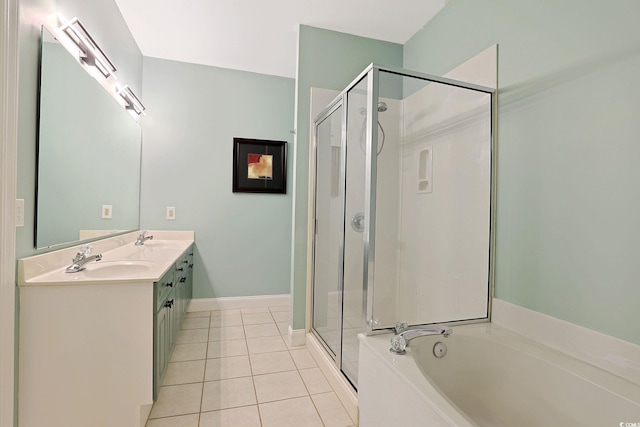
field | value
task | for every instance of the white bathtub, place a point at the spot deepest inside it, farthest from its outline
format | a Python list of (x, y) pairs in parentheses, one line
[(489, 377)]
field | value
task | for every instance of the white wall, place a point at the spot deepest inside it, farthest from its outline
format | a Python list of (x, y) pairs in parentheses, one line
[(444, 234), (388, 210), (8, 162)]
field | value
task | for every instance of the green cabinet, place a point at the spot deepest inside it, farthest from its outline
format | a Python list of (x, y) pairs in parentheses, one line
[(173, 293)]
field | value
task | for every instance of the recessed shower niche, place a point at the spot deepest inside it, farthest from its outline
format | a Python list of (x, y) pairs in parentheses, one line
[(402, 208)]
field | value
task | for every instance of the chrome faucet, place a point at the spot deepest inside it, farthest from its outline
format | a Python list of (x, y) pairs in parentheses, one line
[(82, 258), (143, 238), (404, 336)]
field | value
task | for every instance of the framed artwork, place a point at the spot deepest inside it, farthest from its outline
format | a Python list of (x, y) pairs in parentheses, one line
[(259, 166)]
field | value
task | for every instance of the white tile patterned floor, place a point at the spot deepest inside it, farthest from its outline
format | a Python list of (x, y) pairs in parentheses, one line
[(235, 368)]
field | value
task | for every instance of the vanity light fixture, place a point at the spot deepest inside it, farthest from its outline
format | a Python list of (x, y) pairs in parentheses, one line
[(131, 101), (90, 52), (76, 40)]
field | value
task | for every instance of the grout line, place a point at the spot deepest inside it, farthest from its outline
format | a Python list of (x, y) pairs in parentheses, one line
[(252, 375), (204, 374), (255, 393), (317, 411), (250, 367)]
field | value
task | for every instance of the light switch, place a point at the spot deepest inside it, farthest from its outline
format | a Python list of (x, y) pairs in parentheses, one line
[(19, 212), (107, 211), (171, 212)]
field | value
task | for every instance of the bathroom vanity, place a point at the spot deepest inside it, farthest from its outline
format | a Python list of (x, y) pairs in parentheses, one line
[(94, 345)]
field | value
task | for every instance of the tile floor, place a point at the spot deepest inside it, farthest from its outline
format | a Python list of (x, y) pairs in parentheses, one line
[(235, 368)]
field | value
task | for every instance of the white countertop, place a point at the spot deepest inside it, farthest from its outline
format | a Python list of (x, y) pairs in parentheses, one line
[(122, 261)]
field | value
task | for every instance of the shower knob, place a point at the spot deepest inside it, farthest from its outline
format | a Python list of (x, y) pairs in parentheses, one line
[(357, 222)]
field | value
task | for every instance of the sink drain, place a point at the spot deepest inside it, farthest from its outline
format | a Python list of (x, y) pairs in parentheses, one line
[(439, 349)]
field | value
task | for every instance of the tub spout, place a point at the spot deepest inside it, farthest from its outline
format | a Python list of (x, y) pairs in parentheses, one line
[(399, 342)]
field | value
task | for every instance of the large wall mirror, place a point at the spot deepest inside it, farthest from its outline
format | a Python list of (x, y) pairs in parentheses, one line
[(88, 154)]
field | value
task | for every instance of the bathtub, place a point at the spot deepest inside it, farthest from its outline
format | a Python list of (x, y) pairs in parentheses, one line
[(489, 377)]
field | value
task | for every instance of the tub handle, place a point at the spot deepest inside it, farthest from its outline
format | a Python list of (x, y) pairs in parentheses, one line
[(398, 345), (400, 327)]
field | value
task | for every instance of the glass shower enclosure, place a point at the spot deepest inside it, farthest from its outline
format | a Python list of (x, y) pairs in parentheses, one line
[(402, 208)]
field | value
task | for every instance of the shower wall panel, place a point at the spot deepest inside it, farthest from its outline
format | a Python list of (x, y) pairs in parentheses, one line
[(388, 205), (444, 232)]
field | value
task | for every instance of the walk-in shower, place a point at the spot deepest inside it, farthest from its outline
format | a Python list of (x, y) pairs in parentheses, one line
[(402, 208)]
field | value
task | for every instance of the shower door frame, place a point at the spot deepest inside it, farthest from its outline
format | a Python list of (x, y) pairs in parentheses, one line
[(338, 102), (372, 72)]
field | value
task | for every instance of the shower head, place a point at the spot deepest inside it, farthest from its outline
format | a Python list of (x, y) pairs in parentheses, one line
[(382, 107)]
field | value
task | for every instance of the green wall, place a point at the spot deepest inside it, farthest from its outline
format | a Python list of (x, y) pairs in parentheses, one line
[(194, 112), (567, 193), (103, 19), (328, 60), (89, 114)]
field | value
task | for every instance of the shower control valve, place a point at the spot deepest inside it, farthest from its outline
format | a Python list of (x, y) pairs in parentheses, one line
[(357, 222)]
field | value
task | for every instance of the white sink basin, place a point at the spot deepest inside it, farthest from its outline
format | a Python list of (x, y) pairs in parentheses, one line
[(157, 253), (116, 269), (163, 244)]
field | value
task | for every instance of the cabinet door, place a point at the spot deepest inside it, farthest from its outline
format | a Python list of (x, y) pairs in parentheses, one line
[(172, 322), (161, 349), (189, 283)]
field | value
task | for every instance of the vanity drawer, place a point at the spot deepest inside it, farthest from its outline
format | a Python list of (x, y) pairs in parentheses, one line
[(163, 288), (182, 269)]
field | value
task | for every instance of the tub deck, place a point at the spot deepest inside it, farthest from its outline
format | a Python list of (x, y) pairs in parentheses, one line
[(490, 377)]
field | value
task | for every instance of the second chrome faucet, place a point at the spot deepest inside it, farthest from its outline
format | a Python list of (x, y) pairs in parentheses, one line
[(143, 237)]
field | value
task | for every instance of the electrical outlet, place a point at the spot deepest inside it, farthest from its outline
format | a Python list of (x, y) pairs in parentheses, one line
[(171, 212), (19, 212), (107, 211)]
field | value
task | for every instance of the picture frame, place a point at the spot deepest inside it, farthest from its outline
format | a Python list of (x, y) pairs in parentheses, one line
[(259, 166)]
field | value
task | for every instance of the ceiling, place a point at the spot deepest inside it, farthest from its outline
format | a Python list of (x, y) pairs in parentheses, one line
[(261, 35)]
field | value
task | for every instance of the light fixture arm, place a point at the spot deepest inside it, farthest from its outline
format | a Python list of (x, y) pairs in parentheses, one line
[(79, 42)]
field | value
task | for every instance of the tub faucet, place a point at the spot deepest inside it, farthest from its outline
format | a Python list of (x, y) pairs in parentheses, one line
[(143, 238), (82, 258), (403, 336)]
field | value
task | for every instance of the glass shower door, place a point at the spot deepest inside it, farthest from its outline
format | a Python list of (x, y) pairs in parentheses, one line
[(329, 219), (354, 229)]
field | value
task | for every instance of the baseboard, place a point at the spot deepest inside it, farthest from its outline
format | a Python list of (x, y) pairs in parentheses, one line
[(210, 304), (297, 337), (614, 355), (145, 411), (343, 389)]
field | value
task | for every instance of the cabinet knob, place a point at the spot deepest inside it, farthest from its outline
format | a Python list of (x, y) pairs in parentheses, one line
[(169, 303), (183, 279), (169, 284)]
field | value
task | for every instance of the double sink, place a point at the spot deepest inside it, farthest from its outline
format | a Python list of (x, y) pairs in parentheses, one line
[(124, 262)]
